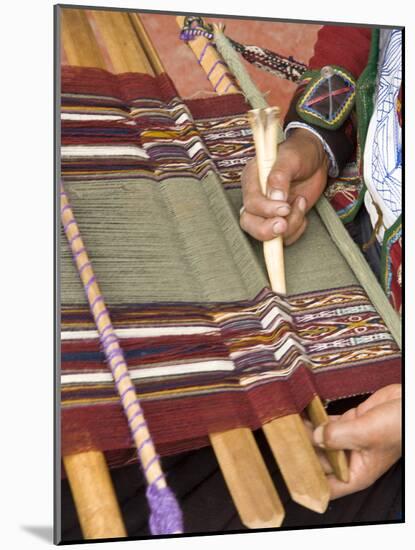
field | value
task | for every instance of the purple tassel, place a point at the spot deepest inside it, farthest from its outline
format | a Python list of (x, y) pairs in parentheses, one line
[(166, 517)]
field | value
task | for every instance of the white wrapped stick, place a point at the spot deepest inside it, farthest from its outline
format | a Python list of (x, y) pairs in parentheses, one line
[(264, 124)]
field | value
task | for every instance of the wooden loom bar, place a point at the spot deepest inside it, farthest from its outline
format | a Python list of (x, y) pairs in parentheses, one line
[(148, 47), (88, 474), (255, 496), (125, 51), (337, 459), (94, 495), (78, 40)]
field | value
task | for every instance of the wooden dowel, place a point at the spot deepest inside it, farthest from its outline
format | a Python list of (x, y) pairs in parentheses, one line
[(247, 478), (264, 128), (298, 462), (337, 459), (120, 40), (78, 40), (147, 45), (94, 496)]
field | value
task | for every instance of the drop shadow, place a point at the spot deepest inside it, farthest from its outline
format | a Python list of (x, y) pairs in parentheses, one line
[(43, 532)]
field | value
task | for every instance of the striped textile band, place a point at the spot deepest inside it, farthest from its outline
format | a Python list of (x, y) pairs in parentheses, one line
[(151, 133), (261, 359)]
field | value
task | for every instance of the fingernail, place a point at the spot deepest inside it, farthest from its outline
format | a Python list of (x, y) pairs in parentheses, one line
[(277, 228), (277, 195), (283, 210), (318, 436), (302, 204)]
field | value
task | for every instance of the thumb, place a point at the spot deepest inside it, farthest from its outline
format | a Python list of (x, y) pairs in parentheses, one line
[(282, 174), (376, 428), (353, 435)]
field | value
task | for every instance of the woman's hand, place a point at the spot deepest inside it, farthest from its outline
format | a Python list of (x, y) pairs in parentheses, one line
[(372, 432), (295, 183)]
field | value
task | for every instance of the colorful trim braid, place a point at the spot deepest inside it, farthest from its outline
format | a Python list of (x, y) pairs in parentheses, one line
[(271, 62)]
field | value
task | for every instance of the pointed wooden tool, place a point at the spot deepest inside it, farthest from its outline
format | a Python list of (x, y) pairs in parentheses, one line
[(337, 459), (287, 436), (247, 478)]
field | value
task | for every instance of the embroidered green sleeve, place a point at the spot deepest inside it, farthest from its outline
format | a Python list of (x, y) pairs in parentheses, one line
[(328, 97)]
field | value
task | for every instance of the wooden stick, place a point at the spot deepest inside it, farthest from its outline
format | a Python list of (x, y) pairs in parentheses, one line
[(88, 474), (94, 496), (146, 44), (78, 40), (247, 478), (124, 50), (298, 462), (337, 459), (287, 435), (264, 128)]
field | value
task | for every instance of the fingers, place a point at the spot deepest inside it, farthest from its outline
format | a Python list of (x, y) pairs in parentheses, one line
[(255, 201), (296, 221), (284, 171), (387, 393), (343, 434), (365, 468), (281, 211), (263, 229), (321, 455), (340, 489)]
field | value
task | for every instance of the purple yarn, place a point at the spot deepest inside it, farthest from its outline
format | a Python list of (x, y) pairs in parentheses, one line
[(166, 517)]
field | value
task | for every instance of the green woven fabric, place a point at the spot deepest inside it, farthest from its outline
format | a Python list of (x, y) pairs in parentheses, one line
[(174, 240), (180, 240)]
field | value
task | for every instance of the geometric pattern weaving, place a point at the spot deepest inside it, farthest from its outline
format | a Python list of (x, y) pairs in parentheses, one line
[(259, 359)]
